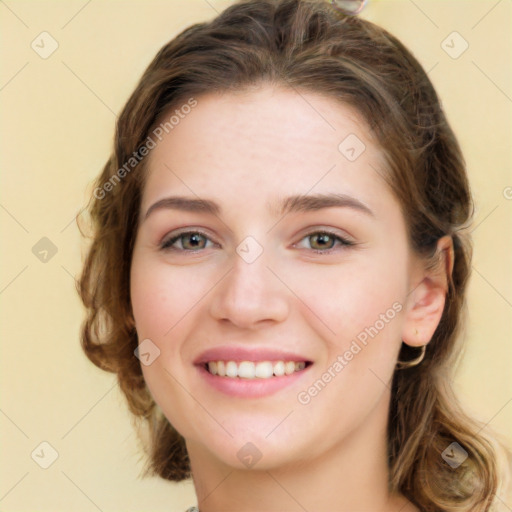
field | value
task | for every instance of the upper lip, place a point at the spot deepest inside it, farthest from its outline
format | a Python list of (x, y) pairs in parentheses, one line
[(237, 353)]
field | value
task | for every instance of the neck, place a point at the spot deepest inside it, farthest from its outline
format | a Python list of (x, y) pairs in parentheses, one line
[(350, 477)]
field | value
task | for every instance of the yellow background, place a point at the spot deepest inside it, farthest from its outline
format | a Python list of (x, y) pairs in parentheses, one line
[(57, 126)]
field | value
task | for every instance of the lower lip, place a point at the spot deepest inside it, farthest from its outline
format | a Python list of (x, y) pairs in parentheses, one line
[(250, 388)]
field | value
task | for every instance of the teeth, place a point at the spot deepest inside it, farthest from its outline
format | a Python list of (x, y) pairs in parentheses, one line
[(247, 370), (263, 370), (279, 369), (213, 368), (251, 370), (231, 369), (289, 367)]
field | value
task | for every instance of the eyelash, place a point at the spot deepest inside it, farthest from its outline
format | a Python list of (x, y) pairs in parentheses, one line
[(167, 244)]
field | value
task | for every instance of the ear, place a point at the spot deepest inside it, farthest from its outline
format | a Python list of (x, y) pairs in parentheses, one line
[(425, 303)]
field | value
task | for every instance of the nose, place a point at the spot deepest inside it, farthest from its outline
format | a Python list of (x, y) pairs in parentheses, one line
[(250, 295)]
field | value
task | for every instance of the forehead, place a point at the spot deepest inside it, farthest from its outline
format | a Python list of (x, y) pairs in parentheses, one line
[(262, 141), (277, 118)]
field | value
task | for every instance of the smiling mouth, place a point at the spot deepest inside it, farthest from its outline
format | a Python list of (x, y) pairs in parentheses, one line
[(254, 370)]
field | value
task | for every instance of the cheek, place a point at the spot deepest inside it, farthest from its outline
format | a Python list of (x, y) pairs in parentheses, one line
[(347, 298), (162, 296), (361, 305)]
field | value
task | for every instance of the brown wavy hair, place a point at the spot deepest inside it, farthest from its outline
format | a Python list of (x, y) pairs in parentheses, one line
[(306, 46)]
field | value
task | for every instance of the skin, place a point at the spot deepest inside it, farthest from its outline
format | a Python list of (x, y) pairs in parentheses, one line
[(246, 151)]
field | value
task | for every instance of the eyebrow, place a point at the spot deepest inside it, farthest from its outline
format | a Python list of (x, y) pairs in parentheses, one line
[(297, 203)]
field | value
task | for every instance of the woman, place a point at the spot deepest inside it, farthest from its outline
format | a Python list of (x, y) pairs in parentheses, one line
[(279, 266)]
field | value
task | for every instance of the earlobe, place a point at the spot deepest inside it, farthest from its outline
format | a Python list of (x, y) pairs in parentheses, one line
[(425, 304)]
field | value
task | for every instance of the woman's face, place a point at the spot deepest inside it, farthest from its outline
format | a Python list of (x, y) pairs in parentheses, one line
[(286, 246)]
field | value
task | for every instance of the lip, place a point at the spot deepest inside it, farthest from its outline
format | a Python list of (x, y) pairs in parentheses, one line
[(239, 354), (249, 388)]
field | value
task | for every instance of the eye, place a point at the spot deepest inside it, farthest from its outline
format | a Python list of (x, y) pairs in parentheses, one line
[(323, 242), (189, 241)]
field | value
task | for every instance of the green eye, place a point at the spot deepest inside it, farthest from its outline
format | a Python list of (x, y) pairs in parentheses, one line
[(320, 242), (324, 241), (190, 241)]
